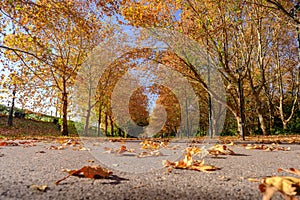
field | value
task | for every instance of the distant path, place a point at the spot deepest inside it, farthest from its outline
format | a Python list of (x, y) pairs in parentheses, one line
[(21, 167)]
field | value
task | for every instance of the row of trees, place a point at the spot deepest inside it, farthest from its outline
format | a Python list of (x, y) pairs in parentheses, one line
[(48, 46), (254, 43)]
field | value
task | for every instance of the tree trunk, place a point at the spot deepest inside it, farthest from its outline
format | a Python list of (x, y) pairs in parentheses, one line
[(240, 125), (87, 121), (99, 120), (120, 132), (284, 125), (262, 121), (111, 126), (65, 131), (11, 111), (106, 124)]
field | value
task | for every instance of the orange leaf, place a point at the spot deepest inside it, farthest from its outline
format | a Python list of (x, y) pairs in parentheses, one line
[(88, 172)]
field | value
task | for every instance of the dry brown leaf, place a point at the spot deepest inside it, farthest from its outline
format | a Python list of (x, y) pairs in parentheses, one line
[(41, 188), (254, 180), (291, 171), (149, 154), (4, 143), (149, 144), (57, 147), (189, 163), (81, 148), (71, 143), (204, 168), (220, 150), (271, 147), (288, 186), (88, 172), (122, 149), (108, 150)]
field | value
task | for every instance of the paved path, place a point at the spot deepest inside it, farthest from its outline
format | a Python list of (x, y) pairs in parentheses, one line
[(21, 167)]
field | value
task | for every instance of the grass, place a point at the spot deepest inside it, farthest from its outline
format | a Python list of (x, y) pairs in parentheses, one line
[(27, 128)]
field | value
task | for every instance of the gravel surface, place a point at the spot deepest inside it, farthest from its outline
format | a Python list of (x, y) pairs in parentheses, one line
[(24, 165)]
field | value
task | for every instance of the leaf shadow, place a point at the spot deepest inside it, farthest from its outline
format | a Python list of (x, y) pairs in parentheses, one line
[(219, 157), (115, 180), (239, 154)]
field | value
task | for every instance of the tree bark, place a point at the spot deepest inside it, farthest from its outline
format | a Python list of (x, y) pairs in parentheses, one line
[(106, 124), (111, 126), (263, 127), (11, 111), (65, 131), (87, 121), (99, 120)]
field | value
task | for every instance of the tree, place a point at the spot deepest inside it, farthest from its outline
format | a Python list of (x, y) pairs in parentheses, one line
[(138, 107), (237, 38), (56, 44)]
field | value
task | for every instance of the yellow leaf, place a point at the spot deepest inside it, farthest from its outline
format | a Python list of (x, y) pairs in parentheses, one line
[(284, 184), (41, 188)]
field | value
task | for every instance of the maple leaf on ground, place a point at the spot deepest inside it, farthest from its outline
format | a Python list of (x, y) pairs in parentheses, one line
[(220, 150), (189, 163), (288, 186), (88, 172)]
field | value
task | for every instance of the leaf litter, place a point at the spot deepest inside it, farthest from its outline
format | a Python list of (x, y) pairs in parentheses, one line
[(272, 147)]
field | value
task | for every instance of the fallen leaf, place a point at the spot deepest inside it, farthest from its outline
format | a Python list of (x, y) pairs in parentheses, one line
[(56, 147), (149, 144), (254, 180), (87, 172), (149, 154), (4, 143), (271, 147), (224, 178), (220, 150), (108, 150), (189, 163), (291, 170), (122, 149), (284, 184), (41, 188), (71, 143), (81, 148)]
